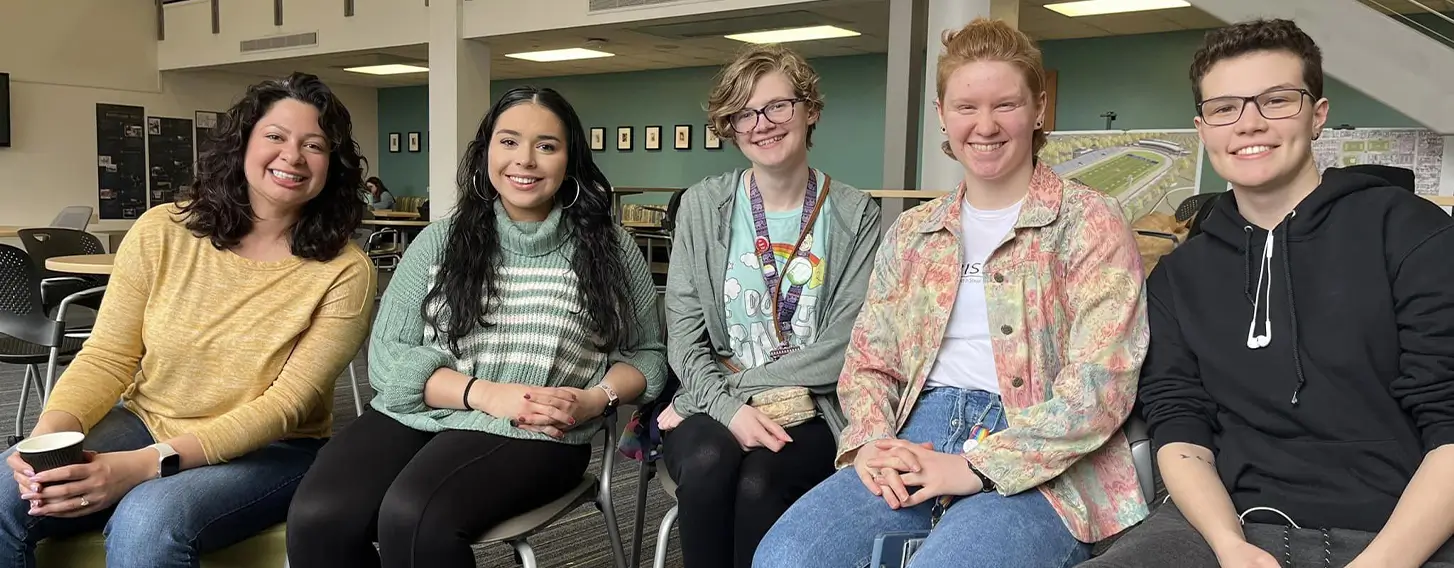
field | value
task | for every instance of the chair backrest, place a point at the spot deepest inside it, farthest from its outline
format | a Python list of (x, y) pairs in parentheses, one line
[(669, 222), (19, 283), (1189, 206), (1203, 211), (49, 242), (74, 217)]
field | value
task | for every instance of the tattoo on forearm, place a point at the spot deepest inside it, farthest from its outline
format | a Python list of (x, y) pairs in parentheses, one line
[(1198, 458)]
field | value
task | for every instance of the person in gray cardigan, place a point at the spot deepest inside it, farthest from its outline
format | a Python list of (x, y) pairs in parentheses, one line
[(769, 266)]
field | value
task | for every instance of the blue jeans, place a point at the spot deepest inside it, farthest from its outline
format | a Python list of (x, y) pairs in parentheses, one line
[(834, 524), (167, 522)]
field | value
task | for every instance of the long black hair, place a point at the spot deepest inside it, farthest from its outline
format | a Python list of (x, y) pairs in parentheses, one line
[(216, 205), (471, 260)]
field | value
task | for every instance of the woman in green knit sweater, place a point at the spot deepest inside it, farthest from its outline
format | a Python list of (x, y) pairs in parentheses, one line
[(505, 334)]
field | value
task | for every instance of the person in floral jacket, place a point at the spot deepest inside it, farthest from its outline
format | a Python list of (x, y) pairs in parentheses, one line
[(996, 356)]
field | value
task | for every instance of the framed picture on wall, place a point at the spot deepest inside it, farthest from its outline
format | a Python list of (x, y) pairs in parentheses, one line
[(653, 138), (683, 138), (413, 141), (623, 138), (394, 142), (710, 140), (598, 138)]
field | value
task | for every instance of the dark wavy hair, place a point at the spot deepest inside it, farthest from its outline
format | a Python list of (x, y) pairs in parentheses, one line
[(216, 204), (470, 262), (377, 183)]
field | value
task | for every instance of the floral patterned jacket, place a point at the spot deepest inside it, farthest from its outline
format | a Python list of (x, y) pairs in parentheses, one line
[(1069, 332)]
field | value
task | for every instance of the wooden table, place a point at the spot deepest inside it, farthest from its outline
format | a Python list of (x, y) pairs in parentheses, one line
[(391, 214), (82, 263)]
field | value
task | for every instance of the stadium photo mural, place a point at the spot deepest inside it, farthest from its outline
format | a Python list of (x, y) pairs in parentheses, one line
[(1147, 171)]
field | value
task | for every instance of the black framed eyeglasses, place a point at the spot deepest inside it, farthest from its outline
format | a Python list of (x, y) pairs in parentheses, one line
[(1273, 105), (776, 112)]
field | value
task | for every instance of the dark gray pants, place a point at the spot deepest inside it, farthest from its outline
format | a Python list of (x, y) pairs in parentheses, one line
[(1167, 539)]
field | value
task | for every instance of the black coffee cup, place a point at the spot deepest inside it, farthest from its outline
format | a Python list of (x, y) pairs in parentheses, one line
[(50, 451)]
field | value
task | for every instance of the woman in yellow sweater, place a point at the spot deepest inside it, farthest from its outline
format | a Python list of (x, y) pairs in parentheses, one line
[(205, 390)]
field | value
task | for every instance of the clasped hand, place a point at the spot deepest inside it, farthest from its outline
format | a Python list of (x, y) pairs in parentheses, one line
[(889, 467), (84, 488), (749, 426), (552, 411)]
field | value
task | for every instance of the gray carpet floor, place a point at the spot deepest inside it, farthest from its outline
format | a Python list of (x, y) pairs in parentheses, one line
[(578, 540)]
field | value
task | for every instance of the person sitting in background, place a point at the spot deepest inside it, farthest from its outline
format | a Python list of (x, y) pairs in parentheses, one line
[(378, 195), (1002, 442), (240, 304), (1299, 387), (758, 314), (506, 333)]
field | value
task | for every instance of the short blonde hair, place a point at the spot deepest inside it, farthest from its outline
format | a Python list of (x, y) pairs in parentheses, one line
[(985, 39), (734, 84)]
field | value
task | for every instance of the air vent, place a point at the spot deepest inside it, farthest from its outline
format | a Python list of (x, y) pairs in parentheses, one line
[(280, 42), (605, 5)]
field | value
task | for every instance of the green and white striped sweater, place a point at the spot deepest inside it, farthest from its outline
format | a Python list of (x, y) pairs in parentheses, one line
[(539, 334)]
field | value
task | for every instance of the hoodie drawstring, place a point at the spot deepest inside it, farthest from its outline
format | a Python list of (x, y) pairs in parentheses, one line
[(1297, 359), (1247, 267)]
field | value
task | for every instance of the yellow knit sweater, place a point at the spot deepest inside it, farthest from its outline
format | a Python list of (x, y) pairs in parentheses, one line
[(200, 341)]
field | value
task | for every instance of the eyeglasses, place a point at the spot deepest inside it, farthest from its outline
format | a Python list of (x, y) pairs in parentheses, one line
[(1272, 105), (776, 112)]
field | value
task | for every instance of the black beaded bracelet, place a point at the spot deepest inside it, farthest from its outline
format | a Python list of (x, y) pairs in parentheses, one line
[(467, 388)]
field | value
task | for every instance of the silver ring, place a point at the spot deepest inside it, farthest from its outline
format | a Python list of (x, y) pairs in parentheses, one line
[(84, 502)]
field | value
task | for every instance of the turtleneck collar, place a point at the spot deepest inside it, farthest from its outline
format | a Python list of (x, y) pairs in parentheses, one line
[(530, 238)]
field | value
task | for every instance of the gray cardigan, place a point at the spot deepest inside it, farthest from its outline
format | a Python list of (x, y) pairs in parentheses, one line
[(696, 327)]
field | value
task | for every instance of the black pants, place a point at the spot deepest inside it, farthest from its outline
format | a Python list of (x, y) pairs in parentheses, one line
[(424, 497), (727, 499), (1166, 538)]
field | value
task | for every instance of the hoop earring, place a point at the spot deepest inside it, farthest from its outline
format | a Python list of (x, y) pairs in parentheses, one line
[(577, 194), (480, 189)]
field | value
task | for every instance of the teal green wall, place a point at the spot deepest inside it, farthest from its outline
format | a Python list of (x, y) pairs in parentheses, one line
[(403, 110), (1142, 78), (847, 144)]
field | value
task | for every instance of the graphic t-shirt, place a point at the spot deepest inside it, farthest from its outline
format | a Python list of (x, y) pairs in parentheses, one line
[(746, 298), (966, 359)]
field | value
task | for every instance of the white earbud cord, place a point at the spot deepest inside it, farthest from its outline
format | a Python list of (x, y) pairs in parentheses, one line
[(1264, 273)]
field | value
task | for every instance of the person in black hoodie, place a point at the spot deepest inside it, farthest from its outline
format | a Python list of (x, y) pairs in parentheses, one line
[(1299, 385)]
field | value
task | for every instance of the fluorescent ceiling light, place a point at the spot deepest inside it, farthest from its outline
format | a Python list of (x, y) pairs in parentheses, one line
[(560, 54), (793, 34), (1097, 7), (391, 69)]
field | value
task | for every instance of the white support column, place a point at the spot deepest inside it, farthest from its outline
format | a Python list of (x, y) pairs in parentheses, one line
[(903, 100), (459, 96), (940, 172)]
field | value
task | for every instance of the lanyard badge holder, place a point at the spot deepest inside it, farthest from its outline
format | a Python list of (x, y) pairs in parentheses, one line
[(783, 308)]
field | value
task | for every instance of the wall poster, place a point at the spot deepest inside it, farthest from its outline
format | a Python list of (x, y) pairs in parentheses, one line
[(120, 161), (169, 147)]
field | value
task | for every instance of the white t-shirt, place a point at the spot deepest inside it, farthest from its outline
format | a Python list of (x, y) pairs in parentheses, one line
[(966, 359)]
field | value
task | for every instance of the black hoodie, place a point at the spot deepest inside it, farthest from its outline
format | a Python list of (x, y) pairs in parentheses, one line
[(1329, 432)]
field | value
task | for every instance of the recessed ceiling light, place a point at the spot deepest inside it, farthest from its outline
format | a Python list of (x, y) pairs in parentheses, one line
[(560, 54), (793, 34), (1097, 7), (391, 69)]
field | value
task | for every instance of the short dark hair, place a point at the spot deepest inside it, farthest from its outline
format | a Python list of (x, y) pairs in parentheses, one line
[(1258, 35), (216, 204)]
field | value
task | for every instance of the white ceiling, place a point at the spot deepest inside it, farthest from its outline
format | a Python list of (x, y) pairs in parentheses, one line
[(697, 41)]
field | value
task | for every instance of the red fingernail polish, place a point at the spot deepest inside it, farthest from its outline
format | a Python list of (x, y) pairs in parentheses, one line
[(527, 396)]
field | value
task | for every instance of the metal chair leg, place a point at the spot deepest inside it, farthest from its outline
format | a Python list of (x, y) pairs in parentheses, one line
[(613, 532), (353, 381), (20, 410), (663, 537), (524, 553), (642, 479)]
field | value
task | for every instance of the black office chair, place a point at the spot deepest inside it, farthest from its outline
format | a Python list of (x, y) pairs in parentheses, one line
[(49, 242), (27, 335), (1191, 205)]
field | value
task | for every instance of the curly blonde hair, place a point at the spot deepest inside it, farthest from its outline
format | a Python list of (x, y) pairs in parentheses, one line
[(985, 39), (734, 84)]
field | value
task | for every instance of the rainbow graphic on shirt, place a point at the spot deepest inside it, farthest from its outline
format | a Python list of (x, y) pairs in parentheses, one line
[(781, 252)]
